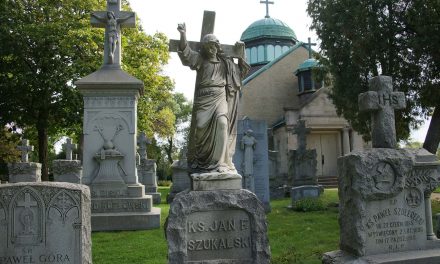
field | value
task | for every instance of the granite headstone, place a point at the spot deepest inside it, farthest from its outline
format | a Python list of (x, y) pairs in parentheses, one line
[(67, 170), (45, 223), (180, 177), (24, 171), (147, 169)]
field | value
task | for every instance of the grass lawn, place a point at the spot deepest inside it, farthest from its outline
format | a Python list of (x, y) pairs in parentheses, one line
[(295, 237)]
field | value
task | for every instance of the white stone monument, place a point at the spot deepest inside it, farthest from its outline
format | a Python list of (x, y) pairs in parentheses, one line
[(147, 169), (45, 223), (24, 171), (67, 170), (110, 124)]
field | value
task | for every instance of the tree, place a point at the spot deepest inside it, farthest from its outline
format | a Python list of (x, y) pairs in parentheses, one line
[(366, 38), (45, 46)]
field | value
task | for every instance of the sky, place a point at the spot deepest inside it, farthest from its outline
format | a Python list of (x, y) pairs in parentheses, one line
[(232, 18)]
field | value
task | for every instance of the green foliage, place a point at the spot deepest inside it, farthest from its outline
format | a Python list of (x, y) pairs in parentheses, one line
[(362, 39), (164, 183), (309, 204)]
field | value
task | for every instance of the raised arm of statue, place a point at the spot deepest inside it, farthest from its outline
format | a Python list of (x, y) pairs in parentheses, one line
[(182, 29)]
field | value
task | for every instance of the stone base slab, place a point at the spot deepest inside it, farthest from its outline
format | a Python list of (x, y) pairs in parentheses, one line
[(24, 172), (122, 205), (156, 197), (431, 256), (216, 181), (126, 221), (306, 191)]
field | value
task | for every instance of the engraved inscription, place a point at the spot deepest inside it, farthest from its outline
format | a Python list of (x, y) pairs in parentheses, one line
[(127, 205), (219, 235)]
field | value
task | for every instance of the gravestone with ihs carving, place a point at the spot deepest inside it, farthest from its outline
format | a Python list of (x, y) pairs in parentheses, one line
[(45, 223), (385, 208), (109, 127)]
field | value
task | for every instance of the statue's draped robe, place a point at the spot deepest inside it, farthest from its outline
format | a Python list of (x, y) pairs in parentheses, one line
[(212, 142)]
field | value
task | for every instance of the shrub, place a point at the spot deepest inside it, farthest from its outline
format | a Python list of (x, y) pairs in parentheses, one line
[(164, 183), (309, 204)]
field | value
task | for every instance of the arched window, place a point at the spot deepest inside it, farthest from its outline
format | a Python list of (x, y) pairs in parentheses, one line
[(285, 48), (270, 52), (253, 56), (260, 53), (248, 55), (277, 51)]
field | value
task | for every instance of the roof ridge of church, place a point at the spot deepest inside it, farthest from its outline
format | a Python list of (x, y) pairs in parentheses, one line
[(267, 66)]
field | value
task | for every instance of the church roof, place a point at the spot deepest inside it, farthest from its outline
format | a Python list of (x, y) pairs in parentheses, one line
[(267, 66), (268, 28), (307, 65)]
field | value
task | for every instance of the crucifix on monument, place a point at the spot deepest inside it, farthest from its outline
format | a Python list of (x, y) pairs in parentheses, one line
[(301, 132), (113, 19), (381, 100), (267, 2), (208, 28)]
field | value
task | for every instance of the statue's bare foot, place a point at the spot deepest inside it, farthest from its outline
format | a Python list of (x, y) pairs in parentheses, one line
[(222, 169)]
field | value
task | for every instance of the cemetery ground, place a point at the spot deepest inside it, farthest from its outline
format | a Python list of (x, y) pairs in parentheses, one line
[(295, 237)]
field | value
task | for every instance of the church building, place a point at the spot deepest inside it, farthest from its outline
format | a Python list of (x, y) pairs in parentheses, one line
[(280, 89)]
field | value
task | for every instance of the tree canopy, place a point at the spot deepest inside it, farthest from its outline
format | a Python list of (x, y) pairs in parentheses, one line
[(45, 46), (366, 38)]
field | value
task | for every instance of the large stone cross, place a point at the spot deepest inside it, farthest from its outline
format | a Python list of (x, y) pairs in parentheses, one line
[(25, 148), (309, 45), (208, 28), (301, 132), (142, 142), (112, 20), (381, 100), (69, 147)]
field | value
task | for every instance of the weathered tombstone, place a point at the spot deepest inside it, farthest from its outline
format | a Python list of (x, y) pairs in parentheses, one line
[(24, 171), (216, 221), (45, 223), (385, 208), (147, 169), (67, 170), (110, 122), (302, 167), (181, 179), (260, 158)]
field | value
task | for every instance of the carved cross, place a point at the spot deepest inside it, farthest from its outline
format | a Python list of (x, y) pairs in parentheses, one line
[(25, 148), (112, 20), (142, 142), (69, 148), (267, 2), (309, 45), (208, 28), (301, 133), (381, 101), (27, 202)]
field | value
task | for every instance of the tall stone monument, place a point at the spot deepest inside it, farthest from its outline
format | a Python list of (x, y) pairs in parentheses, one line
[(147, 169), (24, 171), (251, 158), (216, 221), (45, 223), (303, 167), (67, 170), (385, 208), (110, 124)]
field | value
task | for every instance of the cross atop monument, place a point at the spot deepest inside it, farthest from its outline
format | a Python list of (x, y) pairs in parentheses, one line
[(69, 147), (267, 2), (142, 142), (208, 28), (309, 45), (112, 20), (301, 132), (381, 101), (25, 148)]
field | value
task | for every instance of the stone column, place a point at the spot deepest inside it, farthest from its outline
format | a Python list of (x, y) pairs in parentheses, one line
[(345, 140)]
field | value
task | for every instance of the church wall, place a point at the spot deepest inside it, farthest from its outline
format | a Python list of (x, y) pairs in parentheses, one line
[(265, 97)]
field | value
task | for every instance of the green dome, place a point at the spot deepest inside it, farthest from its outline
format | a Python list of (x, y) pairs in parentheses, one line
[(268, 28), (307, 65)]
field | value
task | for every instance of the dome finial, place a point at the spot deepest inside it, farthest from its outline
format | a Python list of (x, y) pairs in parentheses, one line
[(267, 2)]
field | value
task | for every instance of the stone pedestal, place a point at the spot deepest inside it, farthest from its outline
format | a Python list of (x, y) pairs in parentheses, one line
[(109, 156), (67, 171), (385, 207), (45, 222), (221, 226), (147, 177), (215, 181), (24, 172), (181, 179)]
